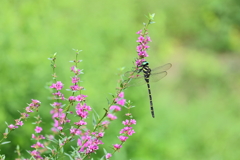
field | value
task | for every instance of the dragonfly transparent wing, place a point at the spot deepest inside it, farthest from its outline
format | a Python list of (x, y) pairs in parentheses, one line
[(165, 67), (156, 74)]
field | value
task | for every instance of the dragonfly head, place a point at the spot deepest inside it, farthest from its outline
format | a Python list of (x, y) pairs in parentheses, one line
[(145, 63)]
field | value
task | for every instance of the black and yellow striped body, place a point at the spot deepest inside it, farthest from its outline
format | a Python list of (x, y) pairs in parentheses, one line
[(147, 72)]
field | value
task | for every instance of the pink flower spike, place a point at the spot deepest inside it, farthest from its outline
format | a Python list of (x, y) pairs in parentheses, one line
[(38, 129), (108, 155), (111, 116)]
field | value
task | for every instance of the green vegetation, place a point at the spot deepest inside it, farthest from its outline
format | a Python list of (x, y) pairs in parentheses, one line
[(196, 105)]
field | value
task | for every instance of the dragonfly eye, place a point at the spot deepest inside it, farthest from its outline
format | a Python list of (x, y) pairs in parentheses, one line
[(144, 63)]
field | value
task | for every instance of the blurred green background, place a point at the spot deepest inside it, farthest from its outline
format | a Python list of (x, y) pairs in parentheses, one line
[(197, 105)]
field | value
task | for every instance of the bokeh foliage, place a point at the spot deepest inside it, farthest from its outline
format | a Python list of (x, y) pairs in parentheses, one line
[(196, 105)]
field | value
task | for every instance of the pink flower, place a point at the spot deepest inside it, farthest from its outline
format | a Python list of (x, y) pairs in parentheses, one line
[(28, 109), (127, 122), (117, 146), (108, 155), (121, 95), (71, 98), (36, 154), (121, 102), (18, 122), (105, 124), (127, 130), (11, 126), (75, 131), (115, 108), (38, 129), (57, 86), (111, 116), (80, 97), (140, 39), (139, 32), (38, 145), (76, 70), (76, 87), (36, 102), (139, 62), (80, 123), (123, 138), (100, 134), (82, 110), (75, 79)]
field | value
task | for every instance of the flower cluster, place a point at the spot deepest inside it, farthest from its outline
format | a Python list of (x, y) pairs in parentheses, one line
[(30, 108), (125, 132), (142, 46), (38, 146), (89, 142), (57, 112)]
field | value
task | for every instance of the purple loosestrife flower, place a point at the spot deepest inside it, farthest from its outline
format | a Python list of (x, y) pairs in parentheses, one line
[(108, 155), (11, 126), (58, 85), (75, 70), (75, 79), (105, 124), (71, 99), (37, 145), (38, 129), (80, 98), (127, 130), (129, 122), (59, 118), (89, 144), (37, 137), (120, 99), (115, 108), (117, 146), (76, 88), (123, 138), (81, 123), (111, 116), (75, 131), (82, 110), (18, 122), (36, 154), (121, 102)]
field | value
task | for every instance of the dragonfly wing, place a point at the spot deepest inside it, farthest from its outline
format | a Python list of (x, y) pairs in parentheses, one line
[(157, 76), (159, 69), (136, 80)]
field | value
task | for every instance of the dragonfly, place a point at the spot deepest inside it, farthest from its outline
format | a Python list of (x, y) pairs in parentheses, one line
[(145, 75)]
